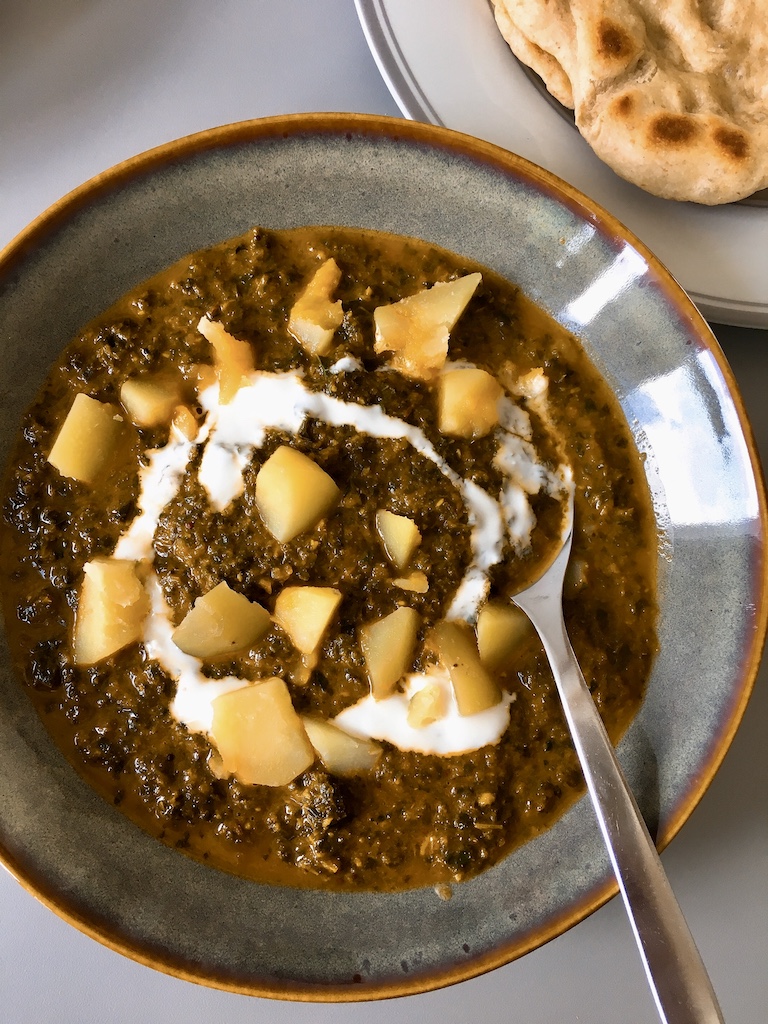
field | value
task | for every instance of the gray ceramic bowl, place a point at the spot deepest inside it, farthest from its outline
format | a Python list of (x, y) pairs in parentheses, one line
[(85, 860)]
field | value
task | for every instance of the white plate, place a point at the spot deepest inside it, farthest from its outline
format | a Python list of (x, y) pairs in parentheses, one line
[(445, 62)]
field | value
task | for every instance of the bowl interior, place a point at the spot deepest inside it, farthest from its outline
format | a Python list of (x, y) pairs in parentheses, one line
[(85, 859)]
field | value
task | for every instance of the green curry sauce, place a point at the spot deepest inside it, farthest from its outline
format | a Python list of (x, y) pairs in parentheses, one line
[(413, 819)]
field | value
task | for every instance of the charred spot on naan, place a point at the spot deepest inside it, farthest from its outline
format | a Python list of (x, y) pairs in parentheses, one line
[(673, 129), (614, 43), (624, 105), (609, 48), (733, 142)]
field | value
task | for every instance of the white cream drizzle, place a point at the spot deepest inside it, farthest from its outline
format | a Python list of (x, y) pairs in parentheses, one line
[(193, 702), (161, 479), (347, 364), (452, 734), (283, 402), (231, 433)]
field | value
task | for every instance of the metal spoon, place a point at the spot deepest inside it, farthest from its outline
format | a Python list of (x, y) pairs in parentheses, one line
[(677, 976)]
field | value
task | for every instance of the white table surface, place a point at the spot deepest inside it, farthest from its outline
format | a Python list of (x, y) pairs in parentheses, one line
[(87, 83)]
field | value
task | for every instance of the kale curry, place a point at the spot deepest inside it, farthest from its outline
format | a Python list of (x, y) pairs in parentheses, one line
[(259, 533)]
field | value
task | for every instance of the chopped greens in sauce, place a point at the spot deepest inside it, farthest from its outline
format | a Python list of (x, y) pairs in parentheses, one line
[(258, 537)]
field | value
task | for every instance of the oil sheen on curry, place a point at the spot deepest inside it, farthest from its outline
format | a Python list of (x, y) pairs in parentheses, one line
[(259, 535)]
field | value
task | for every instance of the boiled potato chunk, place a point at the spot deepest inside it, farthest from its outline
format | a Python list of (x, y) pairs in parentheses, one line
[(203, 376), (151, 399), (88, 439), (416, 329), (293, 493), (111, 609), (341, 753), (501, 630), (259, 736), (388, 646), (400, 537), (233, 358), (314, 317), (474, 688), (468, 402), (183, 421), (221, 622), (426, 706), (415, 581), (305, 614)]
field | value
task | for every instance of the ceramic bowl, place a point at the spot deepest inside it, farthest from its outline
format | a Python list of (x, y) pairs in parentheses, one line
[(89, 863)]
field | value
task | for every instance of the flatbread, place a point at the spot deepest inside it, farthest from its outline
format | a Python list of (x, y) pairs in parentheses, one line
[(542, 56), (673, 96)]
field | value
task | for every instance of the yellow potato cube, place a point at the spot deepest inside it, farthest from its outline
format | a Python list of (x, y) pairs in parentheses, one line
[(502, 629), (416, 582), (88, 439), (259, 736), (150, 400), (468, 402), (183, 421), (293, 493), (221, 622), (203, 376), (111, 609), (314, 317), (400, 537), (341, 753), (233, 358), (305, 614), (416, 329), (388, 646), (426, 706), (474, 688)]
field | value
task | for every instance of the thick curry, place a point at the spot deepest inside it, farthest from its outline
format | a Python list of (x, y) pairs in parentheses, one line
[(258, 538)]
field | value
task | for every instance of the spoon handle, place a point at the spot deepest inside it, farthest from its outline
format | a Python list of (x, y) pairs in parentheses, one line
[(677, 976)]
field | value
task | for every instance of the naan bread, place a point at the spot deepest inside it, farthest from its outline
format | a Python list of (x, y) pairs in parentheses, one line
[(672, 94)]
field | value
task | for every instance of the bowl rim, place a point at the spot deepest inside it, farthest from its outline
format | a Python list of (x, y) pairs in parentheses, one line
[(393, 129)]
